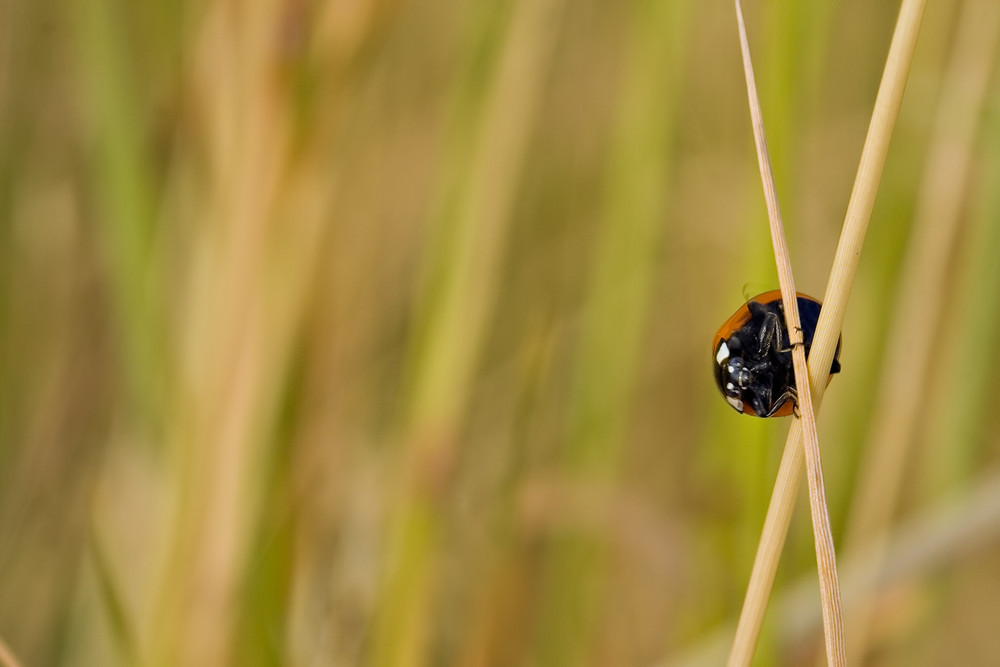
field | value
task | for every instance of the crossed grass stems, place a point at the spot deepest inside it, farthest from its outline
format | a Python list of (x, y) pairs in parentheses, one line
[(802, 439)]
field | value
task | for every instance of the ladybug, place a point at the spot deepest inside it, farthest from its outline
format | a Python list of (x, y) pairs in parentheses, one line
[(752, 358)]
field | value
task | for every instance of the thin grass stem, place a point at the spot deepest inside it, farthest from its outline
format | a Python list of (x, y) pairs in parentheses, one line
[(831, 319), (955, 527), (833, 622), (923, 292)]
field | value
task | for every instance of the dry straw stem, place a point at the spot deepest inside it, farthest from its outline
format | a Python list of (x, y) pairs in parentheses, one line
[(833, 622), (965, 524), (831, 318), (923, 292)]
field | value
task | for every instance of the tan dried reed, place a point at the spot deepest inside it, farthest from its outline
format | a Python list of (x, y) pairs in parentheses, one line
[(830, 322), (833, 623)]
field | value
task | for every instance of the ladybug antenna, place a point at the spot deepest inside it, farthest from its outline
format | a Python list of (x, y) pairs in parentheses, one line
[(746, 292)]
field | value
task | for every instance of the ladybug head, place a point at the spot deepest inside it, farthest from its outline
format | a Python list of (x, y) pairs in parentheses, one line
[(731, 375)]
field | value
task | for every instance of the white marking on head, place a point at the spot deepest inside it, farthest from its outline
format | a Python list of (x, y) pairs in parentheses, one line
[(722, 353), (735, 402)]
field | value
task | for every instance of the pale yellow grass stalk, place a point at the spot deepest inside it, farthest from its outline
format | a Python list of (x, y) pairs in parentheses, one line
[(830, 322), (962, 525), (826, 561), (923, 292)]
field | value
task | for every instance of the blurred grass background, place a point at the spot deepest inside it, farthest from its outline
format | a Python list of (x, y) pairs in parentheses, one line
[(376, 332)]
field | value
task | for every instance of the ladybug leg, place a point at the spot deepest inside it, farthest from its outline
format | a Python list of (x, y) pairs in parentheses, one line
[(761, 402), (771, 333), (792, 346), (775, 330), (761, 395), (773, 406)]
